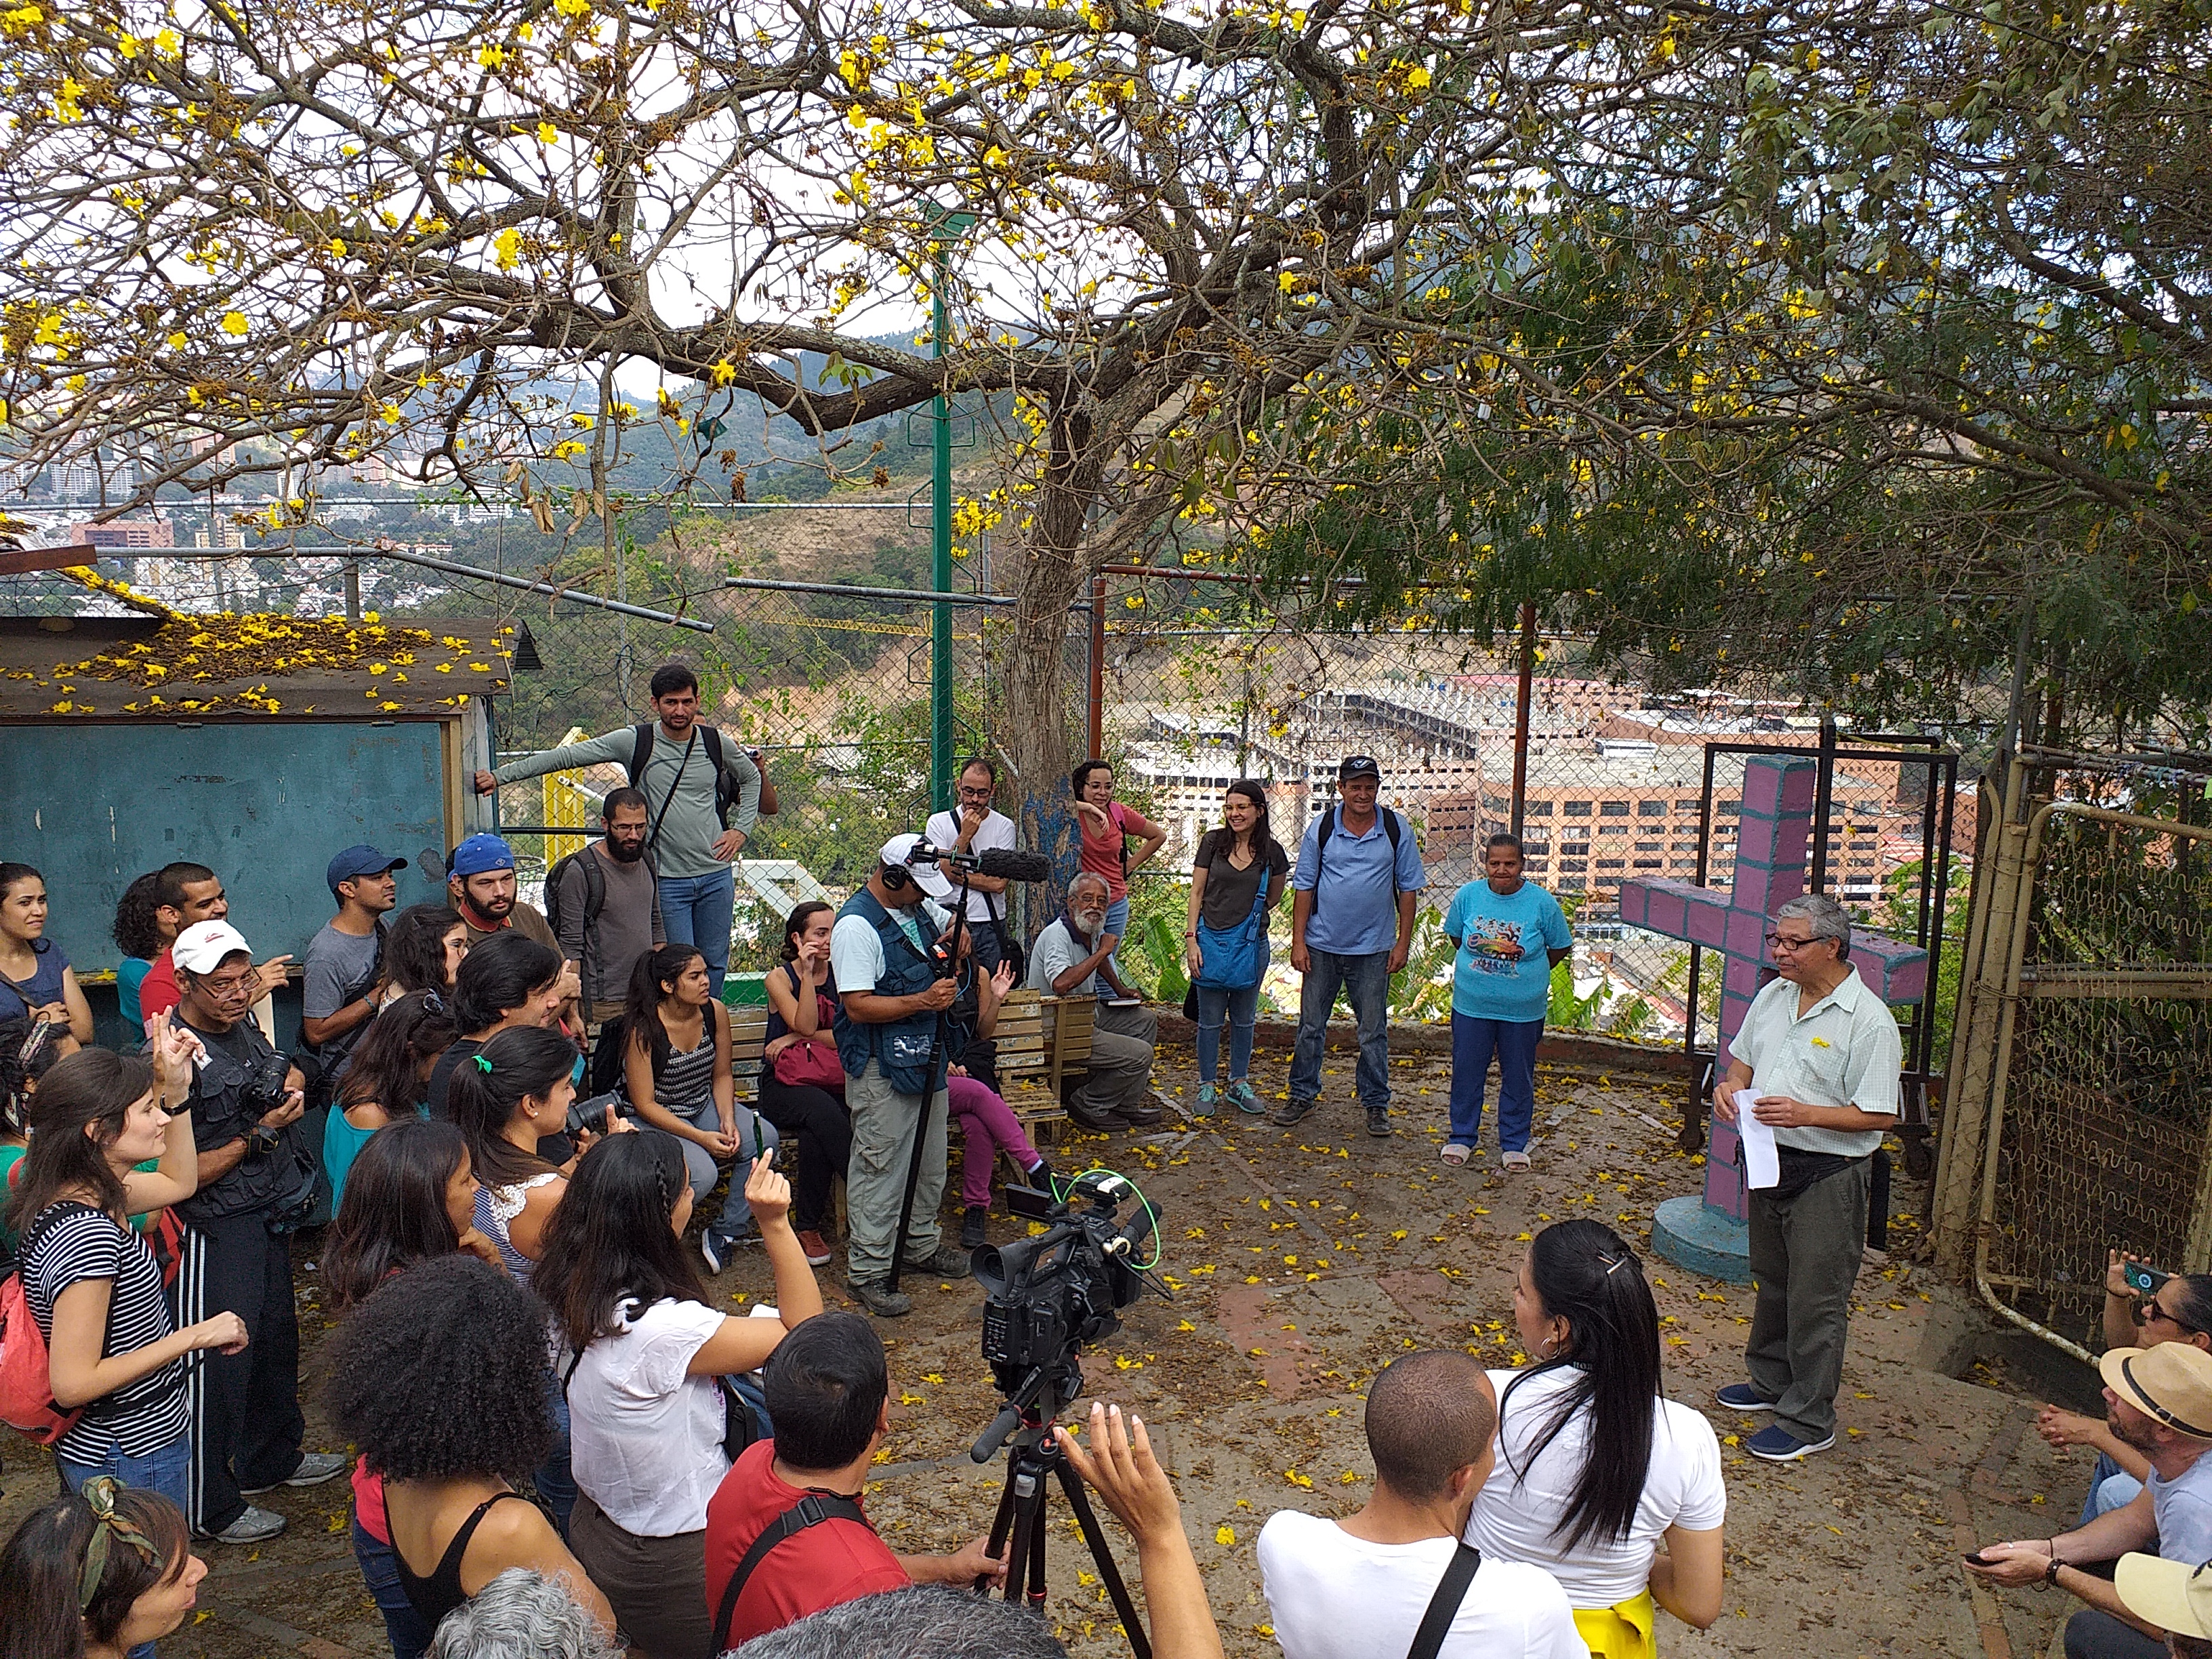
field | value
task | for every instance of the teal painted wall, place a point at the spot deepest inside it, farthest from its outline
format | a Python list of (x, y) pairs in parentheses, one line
[(265, 804)]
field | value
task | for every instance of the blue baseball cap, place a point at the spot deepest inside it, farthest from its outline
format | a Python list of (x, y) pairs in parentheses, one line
[(360, 860), (479, 854)]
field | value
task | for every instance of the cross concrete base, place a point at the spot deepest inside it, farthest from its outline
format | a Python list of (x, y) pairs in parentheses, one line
[(1690, 1233)]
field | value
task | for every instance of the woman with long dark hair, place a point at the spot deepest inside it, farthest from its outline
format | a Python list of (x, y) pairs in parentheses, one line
[(1596, 1469), (802, 1086), (35, 975), (1106, 825), (141, 934), (443, 1377), (677, 1074), (388, 1080), (91, 1282), (423, 952), (411, 1200), (1238, 876), (507, 1100), (649, 1421), (97, 1574), (509, 982)]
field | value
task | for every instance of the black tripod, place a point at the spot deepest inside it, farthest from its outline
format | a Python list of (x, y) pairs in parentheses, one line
[(938, 1060), (1032, 1455)]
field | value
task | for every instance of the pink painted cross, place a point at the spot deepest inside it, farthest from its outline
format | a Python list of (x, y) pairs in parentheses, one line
[(1770, 869)]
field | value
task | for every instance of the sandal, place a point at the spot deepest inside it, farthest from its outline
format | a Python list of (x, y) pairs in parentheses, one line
[(1454, 1154), (1517, 1160)]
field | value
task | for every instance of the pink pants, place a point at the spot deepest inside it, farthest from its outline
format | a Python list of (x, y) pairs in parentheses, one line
[(988, 1127)]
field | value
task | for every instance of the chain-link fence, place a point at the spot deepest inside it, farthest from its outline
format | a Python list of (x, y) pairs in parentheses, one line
[(2098, 1135), (822, 658)]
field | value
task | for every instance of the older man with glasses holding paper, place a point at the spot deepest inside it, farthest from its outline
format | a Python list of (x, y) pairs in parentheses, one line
[(1816, 1062)]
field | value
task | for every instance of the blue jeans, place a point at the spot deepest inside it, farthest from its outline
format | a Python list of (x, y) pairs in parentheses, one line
[(1117, 923), (736, 1214), (1240, 1008), (555, 1484), (1514, 1042), (380, 1569), (1365, 983), (166, 1470), (697, 910), (2110, 1487)]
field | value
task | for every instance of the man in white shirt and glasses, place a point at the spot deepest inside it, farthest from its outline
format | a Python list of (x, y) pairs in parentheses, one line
[(1821, 1052)]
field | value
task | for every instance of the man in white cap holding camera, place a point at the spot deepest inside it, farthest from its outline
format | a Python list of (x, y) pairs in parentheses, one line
[(2159, 1401), (257, 1182), (887, 954)]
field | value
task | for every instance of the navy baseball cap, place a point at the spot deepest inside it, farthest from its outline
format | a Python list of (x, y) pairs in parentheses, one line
[(360, 860), (479, 854), (1358, 766)]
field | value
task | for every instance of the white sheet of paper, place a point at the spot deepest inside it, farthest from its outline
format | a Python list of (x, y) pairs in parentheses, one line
[(1761, 1166)]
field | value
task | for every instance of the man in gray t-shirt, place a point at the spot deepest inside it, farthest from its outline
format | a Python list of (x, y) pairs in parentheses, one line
[(605, 945), (690, 851), (340, 976)]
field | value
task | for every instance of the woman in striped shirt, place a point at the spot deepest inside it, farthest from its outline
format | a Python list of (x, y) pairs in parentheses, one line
[(92, 1283), (675, 1071)]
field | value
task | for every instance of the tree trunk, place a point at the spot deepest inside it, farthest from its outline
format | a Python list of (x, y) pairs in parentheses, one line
[(1035, 729)]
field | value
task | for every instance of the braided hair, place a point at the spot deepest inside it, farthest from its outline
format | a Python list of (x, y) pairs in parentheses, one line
[(611, 1241)]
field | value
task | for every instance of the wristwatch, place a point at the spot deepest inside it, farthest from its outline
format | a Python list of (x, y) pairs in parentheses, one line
[(261, 1141)]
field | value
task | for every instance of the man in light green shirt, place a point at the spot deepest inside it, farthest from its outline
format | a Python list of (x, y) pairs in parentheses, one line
[(690, 848), (1822, 1055)]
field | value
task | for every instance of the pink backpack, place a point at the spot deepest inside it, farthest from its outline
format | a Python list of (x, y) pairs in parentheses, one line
[(26, 1389)]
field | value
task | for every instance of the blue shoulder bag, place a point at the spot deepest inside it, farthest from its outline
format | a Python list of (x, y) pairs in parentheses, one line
[(1229, 957)]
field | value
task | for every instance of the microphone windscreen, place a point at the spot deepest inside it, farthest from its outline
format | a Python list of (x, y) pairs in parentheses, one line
[(1008, 863)]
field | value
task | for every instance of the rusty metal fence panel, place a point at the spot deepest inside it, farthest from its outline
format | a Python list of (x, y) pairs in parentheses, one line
[(2100, 1127)]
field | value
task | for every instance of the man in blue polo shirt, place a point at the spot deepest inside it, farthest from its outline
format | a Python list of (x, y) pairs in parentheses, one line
[(1351, 926)]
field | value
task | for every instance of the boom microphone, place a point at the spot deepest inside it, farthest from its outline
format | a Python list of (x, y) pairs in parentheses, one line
[(1008, 863)]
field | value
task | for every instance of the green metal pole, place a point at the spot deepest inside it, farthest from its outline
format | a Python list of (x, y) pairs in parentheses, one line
[(940, 554)]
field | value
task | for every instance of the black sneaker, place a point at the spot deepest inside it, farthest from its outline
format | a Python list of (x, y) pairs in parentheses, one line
[(972, 1236), (1378, 1122), (877, 1296), (943, 1262), (1293, 1111)]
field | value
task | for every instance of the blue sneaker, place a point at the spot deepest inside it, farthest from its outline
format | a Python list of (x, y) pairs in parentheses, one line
[(1743, 1397), (1241, 1096), (1207, 1094), (1776, 1444)]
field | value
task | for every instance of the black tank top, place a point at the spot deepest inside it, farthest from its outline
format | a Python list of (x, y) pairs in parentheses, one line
[(434, 1597)]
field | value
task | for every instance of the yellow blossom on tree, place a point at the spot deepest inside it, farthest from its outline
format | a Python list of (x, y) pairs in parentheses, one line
[(235, 324)]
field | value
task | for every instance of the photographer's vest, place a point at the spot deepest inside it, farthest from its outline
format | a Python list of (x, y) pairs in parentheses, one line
[(900, 1047)]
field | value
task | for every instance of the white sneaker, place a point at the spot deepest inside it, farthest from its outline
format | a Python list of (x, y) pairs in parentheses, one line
[(256, 1526)]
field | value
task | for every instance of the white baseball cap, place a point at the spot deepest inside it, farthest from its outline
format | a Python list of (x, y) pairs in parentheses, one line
[(201, 947), (927, 877)]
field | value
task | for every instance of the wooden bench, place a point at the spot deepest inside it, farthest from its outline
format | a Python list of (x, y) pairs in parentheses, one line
[(748, 1036), (1042, 1041)]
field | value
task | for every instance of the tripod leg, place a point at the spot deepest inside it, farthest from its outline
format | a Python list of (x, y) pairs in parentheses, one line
[(1002, 1523), (1025, 1492), (1087, 1519)]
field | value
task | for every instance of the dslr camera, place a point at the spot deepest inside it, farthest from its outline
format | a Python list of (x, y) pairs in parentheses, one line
[(264, 1088)]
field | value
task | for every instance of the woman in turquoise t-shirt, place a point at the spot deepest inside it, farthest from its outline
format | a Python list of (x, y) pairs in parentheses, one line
[(1509, 934), (385, 1080), (141, 935)]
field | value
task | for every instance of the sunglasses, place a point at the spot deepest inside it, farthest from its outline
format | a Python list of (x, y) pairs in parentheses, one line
[(2149, 1309)]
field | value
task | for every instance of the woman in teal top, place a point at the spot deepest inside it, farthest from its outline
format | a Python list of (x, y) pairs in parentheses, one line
[(139, 932), (386, 1079)]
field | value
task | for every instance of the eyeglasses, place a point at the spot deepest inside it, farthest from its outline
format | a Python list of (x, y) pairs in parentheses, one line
[(981, 792), (229, 987), (1783, 942)]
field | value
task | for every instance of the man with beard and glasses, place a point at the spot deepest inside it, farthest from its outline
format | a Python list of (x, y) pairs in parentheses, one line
[(604, 905), (2158, 1401)]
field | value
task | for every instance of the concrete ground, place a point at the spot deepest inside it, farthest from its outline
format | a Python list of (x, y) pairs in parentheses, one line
[(1302, 1261)]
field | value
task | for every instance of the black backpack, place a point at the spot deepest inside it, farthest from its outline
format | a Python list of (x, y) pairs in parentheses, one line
[(1393, 826), (595, 899), (725, 791)]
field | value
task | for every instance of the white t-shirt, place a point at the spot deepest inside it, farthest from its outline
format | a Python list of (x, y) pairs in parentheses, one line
[(1514, 1514), (996, 831), (856, 950), (1334, 1597), (645, 1438)]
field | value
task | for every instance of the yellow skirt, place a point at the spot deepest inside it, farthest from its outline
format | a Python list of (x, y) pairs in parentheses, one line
[(1621, 1631)]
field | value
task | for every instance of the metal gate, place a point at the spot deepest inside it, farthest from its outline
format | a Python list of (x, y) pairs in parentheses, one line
[(2101, 1082)]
